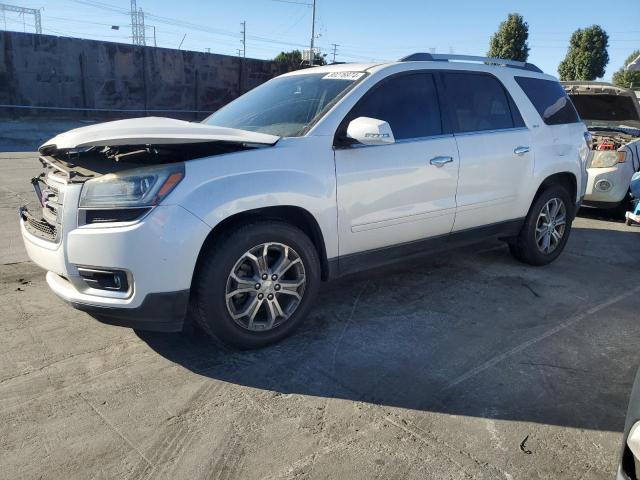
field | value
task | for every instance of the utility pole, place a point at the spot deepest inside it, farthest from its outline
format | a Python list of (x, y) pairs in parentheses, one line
[(155, 43), (312, 53), (4, 8), (244, 38), (335, 47)]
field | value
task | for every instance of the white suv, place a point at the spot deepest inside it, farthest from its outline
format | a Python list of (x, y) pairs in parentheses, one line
[(315, 174)]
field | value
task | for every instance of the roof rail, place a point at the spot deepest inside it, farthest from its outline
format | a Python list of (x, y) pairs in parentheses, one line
[(440, 57)]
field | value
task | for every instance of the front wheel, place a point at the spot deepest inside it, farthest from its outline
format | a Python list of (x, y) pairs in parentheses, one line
[(546, 228), (255, 286)]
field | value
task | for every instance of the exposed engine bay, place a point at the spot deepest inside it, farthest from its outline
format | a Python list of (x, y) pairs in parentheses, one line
[(82, 164), (608, 140)]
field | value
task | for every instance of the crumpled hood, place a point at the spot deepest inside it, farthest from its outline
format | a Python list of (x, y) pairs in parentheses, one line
[(153, 130)]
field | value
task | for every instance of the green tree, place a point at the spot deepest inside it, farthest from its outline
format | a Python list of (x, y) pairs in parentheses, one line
[(587, 56), (626, 79), (510, 41), (293, 59)]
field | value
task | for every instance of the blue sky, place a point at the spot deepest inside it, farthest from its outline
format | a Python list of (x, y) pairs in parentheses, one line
[(364, 30)]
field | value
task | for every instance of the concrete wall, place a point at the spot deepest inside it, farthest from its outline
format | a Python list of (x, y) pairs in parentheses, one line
[(49, 71)]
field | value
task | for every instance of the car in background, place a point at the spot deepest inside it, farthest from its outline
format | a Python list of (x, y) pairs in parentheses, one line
[(612, 115)]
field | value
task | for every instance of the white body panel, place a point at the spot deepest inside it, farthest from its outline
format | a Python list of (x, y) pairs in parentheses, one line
[(361, 198), (391, 193), (493, 177), (149, 130), (159, 252)]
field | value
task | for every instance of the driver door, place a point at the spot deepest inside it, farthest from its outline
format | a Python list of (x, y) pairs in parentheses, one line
[(389, 195)]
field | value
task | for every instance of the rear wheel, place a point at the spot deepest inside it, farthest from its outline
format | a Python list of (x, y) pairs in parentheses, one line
[(546, 228), (256, 285)]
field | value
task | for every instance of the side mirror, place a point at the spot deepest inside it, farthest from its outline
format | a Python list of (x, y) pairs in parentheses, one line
[(370, 131)]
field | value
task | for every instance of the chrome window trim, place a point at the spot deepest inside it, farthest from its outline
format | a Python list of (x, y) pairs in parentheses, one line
[(492, 131)]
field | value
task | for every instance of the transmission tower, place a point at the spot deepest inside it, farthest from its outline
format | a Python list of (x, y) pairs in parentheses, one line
[(4, 8), (141, 28), (244, 38), (137, 25)]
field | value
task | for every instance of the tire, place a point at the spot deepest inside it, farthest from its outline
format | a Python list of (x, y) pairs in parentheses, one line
[(530, 248), (219, 295)]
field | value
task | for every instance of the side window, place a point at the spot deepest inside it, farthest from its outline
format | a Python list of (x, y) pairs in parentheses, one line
[(549, 99), (478, 102), (409, 103)]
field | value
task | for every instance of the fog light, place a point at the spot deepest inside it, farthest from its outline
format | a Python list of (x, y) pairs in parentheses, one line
[(604, 185), (114, 280)]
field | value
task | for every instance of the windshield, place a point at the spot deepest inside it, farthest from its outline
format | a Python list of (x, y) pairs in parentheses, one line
[(606, 109), (284, 106)]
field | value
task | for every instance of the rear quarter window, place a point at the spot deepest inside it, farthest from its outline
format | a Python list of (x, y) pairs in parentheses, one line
[(550, 100)]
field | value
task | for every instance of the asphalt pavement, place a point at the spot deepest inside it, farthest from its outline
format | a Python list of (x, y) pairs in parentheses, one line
[(468, 365)]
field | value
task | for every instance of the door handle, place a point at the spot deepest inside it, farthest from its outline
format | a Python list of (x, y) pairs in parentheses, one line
[(521, 150), (440, 161)]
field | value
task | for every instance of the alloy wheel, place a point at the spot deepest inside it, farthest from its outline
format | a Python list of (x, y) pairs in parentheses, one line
[(265, 286), (551, 225)]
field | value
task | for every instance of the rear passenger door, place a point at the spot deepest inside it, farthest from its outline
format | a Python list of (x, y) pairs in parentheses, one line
[(496, 159)]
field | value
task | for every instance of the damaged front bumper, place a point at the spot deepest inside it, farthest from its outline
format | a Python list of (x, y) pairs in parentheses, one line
[(152, 260)]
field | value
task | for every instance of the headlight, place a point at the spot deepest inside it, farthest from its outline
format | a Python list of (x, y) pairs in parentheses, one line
[(607, 158), (140, 187)]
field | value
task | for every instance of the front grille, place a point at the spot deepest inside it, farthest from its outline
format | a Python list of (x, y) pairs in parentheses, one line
[(52, 199), (39, 227), (46, 220)]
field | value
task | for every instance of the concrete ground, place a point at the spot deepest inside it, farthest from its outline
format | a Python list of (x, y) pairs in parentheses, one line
[(469, 365)]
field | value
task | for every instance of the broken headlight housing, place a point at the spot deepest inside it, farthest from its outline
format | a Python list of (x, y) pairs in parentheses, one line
[(140, 187), (607, 158)]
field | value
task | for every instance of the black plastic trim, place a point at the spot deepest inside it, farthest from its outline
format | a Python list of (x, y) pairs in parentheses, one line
[(159, 312), (379, 257)]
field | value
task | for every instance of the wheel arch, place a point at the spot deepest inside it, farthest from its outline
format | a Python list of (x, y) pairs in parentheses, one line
[(565, 179), (293, 215)]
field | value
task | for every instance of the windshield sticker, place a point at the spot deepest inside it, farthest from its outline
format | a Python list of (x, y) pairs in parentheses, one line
[(343, 75)]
